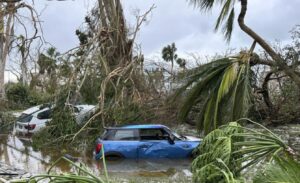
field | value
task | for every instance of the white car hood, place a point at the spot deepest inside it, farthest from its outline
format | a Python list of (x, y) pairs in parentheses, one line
[(191, 138), (85, 108)]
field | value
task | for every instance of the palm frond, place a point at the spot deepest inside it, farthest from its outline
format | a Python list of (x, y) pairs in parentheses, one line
[(226, 13), (209, 111), (192, 76), (216, 172), (203, 4), (228, 27), (210, 146), (282, 169), (242, 94), (216, 148), (238, 148), (224, 82), (209, 173), (197, 89), (227, 7), (229, 77)]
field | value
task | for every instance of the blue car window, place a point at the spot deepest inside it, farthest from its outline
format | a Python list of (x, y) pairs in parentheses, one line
[(153, 134), (108, 134)]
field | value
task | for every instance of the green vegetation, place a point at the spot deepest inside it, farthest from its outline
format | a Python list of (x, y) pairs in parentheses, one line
[(20, 96), (16, 93), (6, 121), (108, 69), (223, 85), (227, 153)]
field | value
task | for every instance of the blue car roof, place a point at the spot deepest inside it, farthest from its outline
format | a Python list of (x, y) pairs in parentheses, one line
[(148, 126)]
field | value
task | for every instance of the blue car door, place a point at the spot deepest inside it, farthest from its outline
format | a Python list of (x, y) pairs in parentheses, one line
[(155, 143), (123, 142)]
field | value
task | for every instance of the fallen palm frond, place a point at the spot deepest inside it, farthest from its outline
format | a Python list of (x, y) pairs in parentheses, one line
[(223, 89), (240, 148), (216, 145), (280, 170), (219, 169)]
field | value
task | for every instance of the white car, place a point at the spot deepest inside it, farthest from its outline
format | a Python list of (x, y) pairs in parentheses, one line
[(83, 112), (35, 118)]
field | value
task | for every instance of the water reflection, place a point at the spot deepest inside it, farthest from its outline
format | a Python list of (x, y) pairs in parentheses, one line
[(17, 151)]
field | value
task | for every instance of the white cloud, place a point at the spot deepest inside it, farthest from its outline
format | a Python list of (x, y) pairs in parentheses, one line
[(193, 31), (173, 21), (60, 19)]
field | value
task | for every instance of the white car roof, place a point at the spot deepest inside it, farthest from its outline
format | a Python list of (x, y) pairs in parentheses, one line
[(85, 106), (32, 109), (37, 108)]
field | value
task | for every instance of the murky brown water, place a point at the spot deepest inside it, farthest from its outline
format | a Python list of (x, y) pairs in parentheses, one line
[(17, 151)]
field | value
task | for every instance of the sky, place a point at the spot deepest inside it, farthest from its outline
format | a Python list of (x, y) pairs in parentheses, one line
[(173, 21)]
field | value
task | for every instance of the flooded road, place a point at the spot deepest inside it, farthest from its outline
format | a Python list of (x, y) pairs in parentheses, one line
[(18, 152)]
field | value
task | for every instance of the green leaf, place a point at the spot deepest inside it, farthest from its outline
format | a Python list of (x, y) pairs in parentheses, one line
[(281, 170)]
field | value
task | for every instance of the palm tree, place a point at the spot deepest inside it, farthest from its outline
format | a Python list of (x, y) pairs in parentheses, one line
[(181, 62), (169, 55), (223, 89), (47, 68), (226, 19)]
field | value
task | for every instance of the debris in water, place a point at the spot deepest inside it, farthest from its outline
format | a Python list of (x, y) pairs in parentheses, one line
[(8, 172)]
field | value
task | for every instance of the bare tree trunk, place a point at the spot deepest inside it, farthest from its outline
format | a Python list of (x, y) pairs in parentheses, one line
[(115, 46), (172, 75), (102, 14), (2, 70), (266, 96), (2, 63), (24, 72), (24, 50), (277, 59), (6, 31)]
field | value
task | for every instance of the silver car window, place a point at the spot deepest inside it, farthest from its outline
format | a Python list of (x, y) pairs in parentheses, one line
[(125, 135)]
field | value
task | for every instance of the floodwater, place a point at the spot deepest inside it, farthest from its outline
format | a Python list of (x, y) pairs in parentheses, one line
[(17, 151)]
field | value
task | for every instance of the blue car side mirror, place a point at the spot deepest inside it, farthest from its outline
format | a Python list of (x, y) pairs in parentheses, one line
[(171, 139)]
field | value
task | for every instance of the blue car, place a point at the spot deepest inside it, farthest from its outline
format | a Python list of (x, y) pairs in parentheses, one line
[(144, 141)]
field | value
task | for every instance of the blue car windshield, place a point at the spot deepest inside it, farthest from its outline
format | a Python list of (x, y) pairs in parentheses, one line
[(181, 137)]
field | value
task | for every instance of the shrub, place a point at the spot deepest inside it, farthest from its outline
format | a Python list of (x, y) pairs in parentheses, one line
[(36, 98), (3, 105), (289, 106), (6, 121), (17, 93)]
